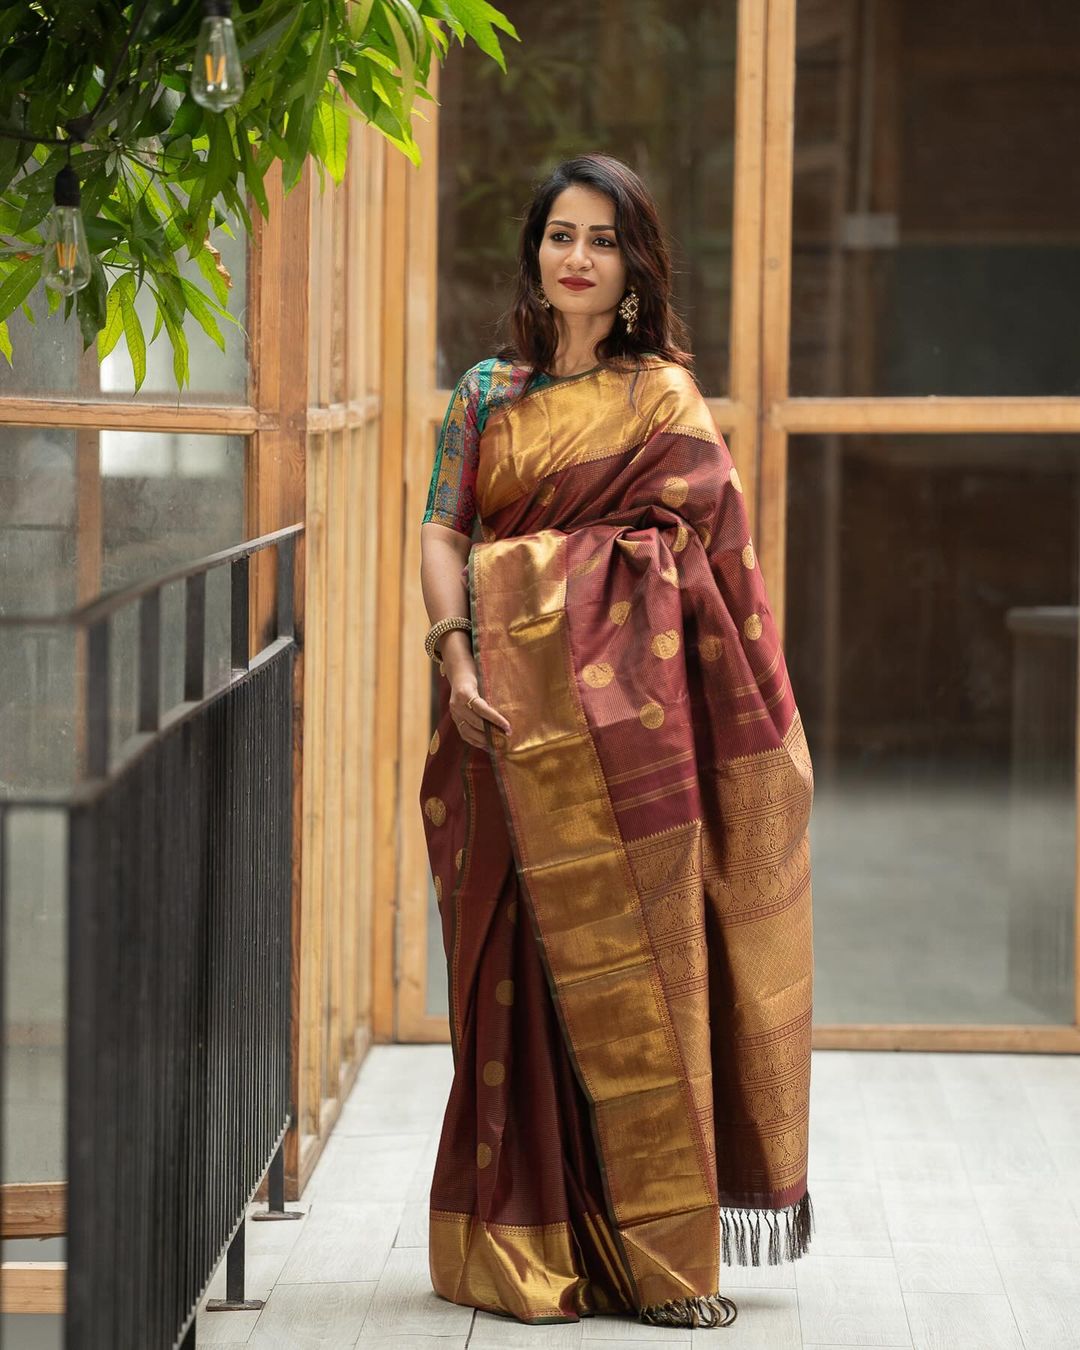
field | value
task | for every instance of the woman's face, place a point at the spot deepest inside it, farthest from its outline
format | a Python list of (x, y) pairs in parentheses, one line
[(580, 242)]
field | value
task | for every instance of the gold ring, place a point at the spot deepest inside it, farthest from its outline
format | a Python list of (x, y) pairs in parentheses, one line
[(468, 706)]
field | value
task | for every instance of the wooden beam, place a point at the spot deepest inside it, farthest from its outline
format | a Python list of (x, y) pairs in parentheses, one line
[(238, 420), (32, 1287), (880, 416), (739, 415), (276, 495), (34, 1209), (338, 416), (414, 873), (1020, 1039), (386, 748), (769, 519)]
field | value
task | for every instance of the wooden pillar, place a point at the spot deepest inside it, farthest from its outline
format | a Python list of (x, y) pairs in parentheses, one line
[(276, 496)]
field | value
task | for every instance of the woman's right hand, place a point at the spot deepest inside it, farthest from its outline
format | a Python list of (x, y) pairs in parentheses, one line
[(470, 721)]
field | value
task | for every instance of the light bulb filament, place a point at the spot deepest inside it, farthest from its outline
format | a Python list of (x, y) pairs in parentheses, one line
[(65, 255), (215, 76)]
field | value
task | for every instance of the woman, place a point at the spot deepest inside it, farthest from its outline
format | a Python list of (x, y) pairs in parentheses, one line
[(616, 801)]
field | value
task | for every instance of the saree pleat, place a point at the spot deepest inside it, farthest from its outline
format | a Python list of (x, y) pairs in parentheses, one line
[(624, 882)]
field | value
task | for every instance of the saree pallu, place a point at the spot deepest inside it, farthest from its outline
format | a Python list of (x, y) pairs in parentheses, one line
[(623, 879)]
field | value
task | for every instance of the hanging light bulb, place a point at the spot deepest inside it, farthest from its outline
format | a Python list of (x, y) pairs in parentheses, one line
[(217, 78), (65, 263)]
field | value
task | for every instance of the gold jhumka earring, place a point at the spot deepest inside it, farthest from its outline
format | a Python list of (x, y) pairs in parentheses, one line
[(542, 298), (628, 309)]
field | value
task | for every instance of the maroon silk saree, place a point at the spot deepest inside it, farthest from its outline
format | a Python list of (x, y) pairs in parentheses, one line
[(624, 880)]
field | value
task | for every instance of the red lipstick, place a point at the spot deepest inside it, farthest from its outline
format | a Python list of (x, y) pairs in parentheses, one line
[(576, 283)]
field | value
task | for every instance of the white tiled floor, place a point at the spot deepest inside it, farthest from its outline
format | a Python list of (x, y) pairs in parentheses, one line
[(946, 1191)]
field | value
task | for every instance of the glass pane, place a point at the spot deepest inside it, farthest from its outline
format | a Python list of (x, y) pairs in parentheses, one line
[(34, 952), (931, 635), (936, 198), (84, 512), (48, 359), (657, 92)]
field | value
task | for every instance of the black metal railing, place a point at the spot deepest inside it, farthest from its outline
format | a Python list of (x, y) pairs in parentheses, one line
[(179, 870)]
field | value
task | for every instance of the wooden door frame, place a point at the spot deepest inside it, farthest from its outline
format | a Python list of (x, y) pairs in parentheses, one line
[(758, 417), (737, 416), (781, 416)]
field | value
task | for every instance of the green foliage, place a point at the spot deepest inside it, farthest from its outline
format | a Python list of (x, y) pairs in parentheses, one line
[(159, 173)]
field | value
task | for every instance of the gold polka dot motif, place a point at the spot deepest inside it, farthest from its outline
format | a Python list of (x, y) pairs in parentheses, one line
[(652, 716), (584, 568), (504, 992), (619, 611), (748, 556), (704, 534), (682, 536), (752, 627), (483, 1155), (494, 1072), (675, 490), (736, 481), (670, 575), (666, 645), (438, 889), (710, 648), (458, 858), (434, 745), (598, 674), (435, 810)]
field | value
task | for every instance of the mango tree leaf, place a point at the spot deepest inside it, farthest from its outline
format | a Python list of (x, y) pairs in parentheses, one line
[(480, 21), (136, 341), (181, 366), (204, 316), (17, 285), (359, 15), (114, 321), (208, 261), (5, 341), (336, 131), (90, 303), (281, 30), (406, 63)]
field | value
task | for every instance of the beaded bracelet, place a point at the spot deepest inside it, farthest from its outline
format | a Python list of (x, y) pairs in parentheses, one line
[(440, 629)]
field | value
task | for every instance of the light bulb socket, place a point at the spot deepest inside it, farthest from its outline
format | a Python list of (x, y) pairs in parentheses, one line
[(217, 9), (66, 187)]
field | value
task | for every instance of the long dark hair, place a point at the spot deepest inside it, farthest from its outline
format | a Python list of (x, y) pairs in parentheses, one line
[(528, 329)]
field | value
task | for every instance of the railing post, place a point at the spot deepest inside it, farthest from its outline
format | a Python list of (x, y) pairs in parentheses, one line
[(150, 661), (275, 1191), (239, 625), (286, 571), (97, 699), (195, 637), (234, 1300)]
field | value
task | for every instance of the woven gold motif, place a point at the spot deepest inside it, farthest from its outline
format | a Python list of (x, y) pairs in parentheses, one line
[(675, 491), (665, 645)]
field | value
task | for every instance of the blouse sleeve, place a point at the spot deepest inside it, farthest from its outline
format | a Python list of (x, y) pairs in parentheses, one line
[(451, 498)]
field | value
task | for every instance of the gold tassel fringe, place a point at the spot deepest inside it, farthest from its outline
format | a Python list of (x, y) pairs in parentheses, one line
[(789, 1233), (707, 1310)]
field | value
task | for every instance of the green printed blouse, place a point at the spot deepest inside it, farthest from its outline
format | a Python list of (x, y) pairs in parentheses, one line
[(451, 498)]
